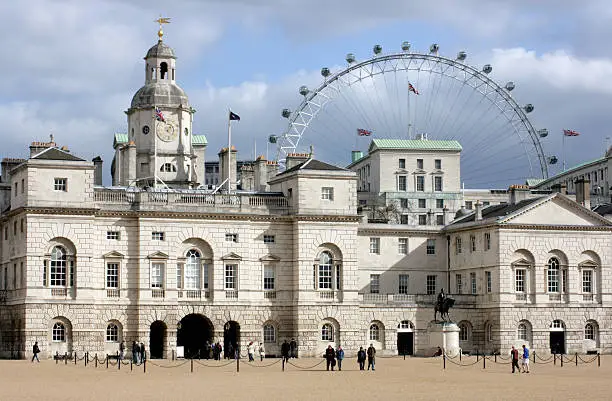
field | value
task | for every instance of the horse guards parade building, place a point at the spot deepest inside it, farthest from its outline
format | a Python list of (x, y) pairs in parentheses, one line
[(315, 252)]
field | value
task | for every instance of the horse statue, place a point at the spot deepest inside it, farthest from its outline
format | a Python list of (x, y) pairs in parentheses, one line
[(443, 308)]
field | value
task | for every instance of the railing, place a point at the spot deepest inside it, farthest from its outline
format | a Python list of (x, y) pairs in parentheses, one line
[(327, 294), (194, 294), (521, 296), (231, 294), (554, 297), (158, 293), (404, 298), (587, 298), (270, 294), (59, 292), (375, 298), (113, 293), (113, 196)]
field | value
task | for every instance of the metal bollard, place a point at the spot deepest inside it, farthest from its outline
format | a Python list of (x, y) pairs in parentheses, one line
[(554, 359), (191, 365), (238, 365), (106, 361), (86, 357), (460, 352), (484, 361), (75, 358), (443, 361), (283, 364), (173, 355), (561, 360), (56, 357), (495, 356), (598, 360), (65, 358), (96, 359), (144, 364), (477, 356), (576, 359), (131, 366)]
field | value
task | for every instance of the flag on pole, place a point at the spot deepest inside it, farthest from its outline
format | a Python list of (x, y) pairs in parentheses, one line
[(159, 116), (363, 132), (233, 116), (569, 132), (412, 89)]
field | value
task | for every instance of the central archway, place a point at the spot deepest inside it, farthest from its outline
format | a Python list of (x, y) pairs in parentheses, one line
[(157, 339), (195, 333), (231, 338)]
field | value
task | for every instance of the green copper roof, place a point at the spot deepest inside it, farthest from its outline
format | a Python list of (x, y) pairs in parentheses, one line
[(199, 140), (534, 181), (415, 144), (121, 138)]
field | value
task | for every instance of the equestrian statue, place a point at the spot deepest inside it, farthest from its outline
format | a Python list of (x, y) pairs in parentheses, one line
[(443, 305)]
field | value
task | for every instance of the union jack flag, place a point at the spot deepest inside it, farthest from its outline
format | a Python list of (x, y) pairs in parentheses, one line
[(159, 115), (412, 89), (569, 132), (363, 132)]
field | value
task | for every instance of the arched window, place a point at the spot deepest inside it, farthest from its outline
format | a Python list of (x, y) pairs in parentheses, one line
[(464, 332), (553, 275), (168, 168), (58, 267), (589, 331), (269, 333), (374, 332), (522, 332), (192, 270), (327, 332), (59, 332), (557, 324), (163, 69), (489, 332), (405, 324), (112, 333), (326, 264)]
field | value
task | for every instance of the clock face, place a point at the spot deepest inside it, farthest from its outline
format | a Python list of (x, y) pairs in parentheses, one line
[(145, 130), (166, 131)]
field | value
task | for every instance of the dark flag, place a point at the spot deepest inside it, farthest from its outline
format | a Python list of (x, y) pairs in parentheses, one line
[(234, 116)]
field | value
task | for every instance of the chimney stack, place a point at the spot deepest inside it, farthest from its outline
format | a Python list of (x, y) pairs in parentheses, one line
[(97, 161), (223, 171), (518, 193), (293, 159), (583, 193), (478, 210)]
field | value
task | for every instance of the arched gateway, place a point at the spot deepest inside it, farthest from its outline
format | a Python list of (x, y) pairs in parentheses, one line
[(195, 333)]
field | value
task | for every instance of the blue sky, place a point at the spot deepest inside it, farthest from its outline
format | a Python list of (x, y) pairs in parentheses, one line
[(71, 67)]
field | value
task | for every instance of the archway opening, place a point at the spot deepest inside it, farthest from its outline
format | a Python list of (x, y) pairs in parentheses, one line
[(195, 333), (405, 338), (557, 337), (157, 339), (231, 338)]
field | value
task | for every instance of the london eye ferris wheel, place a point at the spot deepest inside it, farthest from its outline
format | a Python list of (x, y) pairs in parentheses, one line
[(419, 95)]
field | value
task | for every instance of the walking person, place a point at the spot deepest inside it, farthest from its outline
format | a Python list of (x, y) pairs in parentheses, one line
[(293, 348), (35, 352), (121, 350), (371, 356), (285, 351), (251, 351), (330, 356), (135, 353), (525, 359), (143, 353), (262, 351), (339, 356), (361, 357), (515, 358)]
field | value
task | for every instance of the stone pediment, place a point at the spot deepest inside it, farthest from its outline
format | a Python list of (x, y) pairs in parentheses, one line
[(231, 256), (270, 258), (158, 255), (113, 255), (587, 264), (522, 262)]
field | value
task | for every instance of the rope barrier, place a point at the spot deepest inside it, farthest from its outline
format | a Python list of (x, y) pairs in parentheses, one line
[(544, 360), (213, 366), (462, 364), (591, 361), (168, 366), (305, 368), (263, 366)]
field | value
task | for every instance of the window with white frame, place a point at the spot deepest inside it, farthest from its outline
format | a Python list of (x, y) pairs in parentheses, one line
[(464, 332), (487, 241), (327, 193), (439, 203), (158, 236), (231, 237), (338, 277), (422, 219), (472, 243), (438, 164), (374, 283), (402, 163), (420, 183), (192, 265), (519, 280), (205, 267), (404, 219), (473, 283), (440, 219), (112, 275), (431, 247), (112, 333), (157, 274), (438, 183), (587, 281), (269, 333), (457, 245), (269, 239), (422, 203), (327, 332), (231, 277), (404, 203), (469, 205), (420, 164), (113, 235), (430, 284), (402, 284), (60, 184), (589, 331), (374, 332), (489, 282), (401, 183), (458, 283), (326, 263), (375, 245), (552, 275), (180, 267), (269, 277), (522, 332), (58, 333), (402, 246), (58, 267)]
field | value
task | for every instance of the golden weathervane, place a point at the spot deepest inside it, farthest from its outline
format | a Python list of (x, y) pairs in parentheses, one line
[(161, 20)]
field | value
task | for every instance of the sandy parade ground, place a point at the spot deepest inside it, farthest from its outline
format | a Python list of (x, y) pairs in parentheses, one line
[(394, 379)]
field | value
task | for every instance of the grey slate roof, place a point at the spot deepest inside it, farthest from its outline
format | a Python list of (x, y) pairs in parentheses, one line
[(160, 50), (56, 154), (604, 209), (497, 211), (312, 164)]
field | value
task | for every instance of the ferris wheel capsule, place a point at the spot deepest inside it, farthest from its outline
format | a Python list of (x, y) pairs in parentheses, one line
[(405, 46), (461, 56), (272, 138), (304, 90), (377, 49), (286, 113), (509, 86), (434, 48), (350, 58), (487, 68), (553, 160), (543, 133), (528, 108), (325, 72)]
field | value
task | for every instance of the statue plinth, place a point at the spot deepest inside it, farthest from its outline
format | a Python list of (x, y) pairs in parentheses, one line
[(444, 335)]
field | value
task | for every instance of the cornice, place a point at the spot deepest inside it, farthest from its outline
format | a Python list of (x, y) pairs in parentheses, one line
[(553, 227), (328, 218)]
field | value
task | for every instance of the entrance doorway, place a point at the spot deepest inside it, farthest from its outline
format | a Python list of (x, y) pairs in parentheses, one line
[(195, 333), (157, 339), (557, 337), (231, 338), (405, 338)]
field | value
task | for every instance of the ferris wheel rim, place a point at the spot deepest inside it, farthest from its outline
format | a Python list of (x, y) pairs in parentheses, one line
[(288, 141)]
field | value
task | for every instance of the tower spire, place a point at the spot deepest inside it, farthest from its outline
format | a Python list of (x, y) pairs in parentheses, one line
[(161, 20)]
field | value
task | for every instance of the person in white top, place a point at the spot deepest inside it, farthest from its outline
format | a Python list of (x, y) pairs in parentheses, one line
[(262, 351), (251, 351)]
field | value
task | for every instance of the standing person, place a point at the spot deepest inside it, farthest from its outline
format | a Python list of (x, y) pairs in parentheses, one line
[(293, 348), (135, 353), (361, 357), (262, 351), (219, 351), (230, 351), (143, 353), (330, 356), (285, 351), (121, 350), (339, 356), (251, 352), (525, 359), (515, 358), (371, 356), (35, 351)]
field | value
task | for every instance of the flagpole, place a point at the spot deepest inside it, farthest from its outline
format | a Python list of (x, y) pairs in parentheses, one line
[(408, 92), (229, 152), (563, 150), (154, 136)]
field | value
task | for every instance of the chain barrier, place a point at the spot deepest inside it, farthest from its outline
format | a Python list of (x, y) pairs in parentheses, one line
[(591, 361), (214, 366), (305, 368), (459, 363), (544, 360), (168, 366), (263, 366)]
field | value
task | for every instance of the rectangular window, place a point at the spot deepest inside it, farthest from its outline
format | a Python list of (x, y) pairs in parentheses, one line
[(15, 276), (489, 282), (44, 273), (438, 184), (15, 189), (327, 193), (472, 243), (112, 235), (458, 284), (338, 277), (473, 283), (431, 284), (438, 164), (112, 275), (59, 184), (403, 284), (420, 164), (402, 163), (420, 183), (587, 281), (404, 219), (404, 203), (325, 276), (468, 205), (375, 245), (439, 203), (205, 273), (179, 275), (22, 274), (22, 185), (269, 239), (231, 237), (231, 277), (487, 241), (564, 280), (402, 246), (374, 283), (22, 225), (157, 275), (458, 245), (519, 280), (71, 274), (268, 283), (440, 219), (422, 219), (553, 280), (431, 246), (158, 236), (191, 273), (422, 203), (401, 183)]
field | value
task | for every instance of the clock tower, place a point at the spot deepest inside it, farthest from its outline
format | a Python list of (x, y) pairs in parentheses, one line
[(159, 147)]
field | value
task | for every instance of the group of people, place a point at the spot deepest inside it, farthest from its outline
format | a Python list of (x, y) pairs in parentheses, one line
[(289, 350), (210, 351), (336, 356), (251, 351), (514, 353), (139, 354)]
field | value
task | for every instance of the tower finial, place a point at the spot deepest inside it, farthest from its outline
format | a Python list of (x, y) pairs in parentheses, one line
[(161, 20)]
